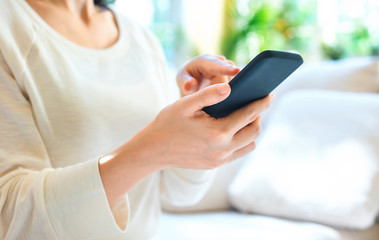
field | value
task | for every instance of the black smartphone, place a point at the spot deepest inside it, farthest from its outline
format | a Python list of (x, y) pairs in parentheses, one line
[(255, 81)]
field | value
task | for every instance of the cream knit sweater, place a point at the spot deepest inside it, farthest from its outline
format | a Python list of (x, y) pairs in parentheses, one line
[(62, 106)]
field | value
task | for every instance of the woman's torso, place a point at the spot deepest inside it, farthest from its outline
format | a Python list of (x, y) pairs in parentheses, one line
[(87, 102)]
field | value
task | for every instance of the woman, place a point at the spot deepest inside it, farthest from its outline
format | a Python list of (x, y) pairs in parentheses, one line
[(88, 149)]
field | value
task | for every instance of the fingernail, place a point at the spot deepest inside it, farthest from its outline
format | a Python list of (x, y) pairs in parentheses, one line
[(223, 88), (189, 85)]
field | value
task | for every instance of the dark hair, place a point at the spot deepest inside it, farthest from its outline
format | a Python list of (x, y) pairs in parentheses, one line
[(103, 2)]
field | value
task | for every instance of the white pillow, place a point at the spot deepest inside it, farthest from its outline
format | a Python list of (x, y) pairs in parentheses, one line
[(317, 161), (358, 74)]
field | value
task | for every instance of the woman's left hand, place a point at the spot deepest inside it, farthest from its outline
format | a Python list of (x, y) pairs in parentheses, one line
[(203, 71)]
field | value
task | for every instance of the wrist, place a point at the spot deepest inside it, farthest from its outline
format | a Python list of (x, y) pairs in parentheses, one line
[(125, 167)]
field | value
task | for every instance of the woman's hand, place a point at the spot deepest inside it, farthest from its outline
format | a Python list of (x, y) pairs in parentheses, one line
[(203, 71), (184, 136)]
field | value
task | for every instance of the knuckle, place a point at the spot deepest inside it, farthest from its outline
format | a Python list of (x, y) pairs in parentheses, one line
[(218, 158), (252, 115), (246, 150), (257, 130), (203, 98), (220, 137)]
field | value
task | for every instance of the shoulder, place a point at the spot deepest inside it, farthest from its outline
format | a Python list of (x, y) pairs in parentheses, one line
[(17, 31), (15, 19)]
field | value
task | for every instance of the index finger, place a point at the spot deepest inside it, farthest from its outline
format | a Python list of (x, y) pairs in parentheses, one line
[(246, 115), (218, 65), (227, 67)]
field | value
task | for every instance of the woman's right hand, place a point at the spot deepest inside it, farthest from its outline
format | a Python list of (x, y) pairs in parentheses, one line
[(184, 136)]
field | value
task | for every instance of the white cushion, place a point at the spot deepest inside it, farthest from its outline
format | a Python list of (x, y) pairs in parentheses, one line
[(235, 226), (353, 75), (317, 161), (360, 74)]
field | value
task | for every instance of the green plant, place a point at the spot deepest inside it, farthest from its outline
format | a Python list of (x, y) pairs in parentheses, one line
[(355, 43), (252, 26)]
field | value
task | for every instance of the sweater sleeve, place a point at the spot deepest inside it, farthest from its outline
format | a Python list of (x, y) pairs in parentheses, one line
[(185, 187), (36, 200)]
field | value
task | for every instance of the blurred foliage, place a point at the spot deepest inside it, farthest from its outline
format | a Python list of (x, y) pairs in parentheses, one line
[(355, 43), (251, 26)]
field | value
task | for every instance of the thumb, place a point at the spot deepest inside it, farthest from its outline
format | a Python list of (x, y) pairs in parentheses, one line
[(206, 97)]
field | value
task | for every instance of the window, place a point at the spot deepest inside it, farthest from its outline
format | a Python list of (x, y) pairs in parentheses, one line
[(317, 29)]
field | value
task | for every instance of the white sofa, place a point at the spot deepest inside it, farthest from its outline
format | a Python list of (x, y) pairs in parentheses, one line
[(315, 172)]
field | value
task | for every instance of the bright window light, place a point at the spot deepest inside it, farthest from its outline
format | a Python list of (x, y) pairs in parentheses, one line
[(141, 11)]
